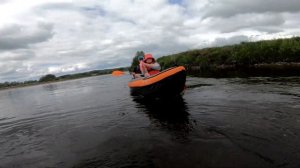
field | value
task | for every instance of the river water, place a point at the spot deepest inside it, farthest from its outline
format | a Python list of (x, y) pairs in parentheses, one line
[(94, 122)]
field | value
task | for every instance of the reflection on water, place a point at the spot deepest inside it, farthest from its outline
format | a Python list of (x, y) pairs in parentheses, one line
[(50, 87), (173, 110), (171, 114)]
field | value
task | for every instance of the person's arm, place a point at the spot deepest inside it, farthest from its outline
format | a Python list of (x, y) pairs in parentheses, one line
[(143, 68), (154, 66)]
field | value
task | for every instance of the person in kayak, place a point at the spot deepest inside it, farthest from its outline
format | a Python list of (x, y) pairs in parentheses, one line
[(149, 66), (136, 70)]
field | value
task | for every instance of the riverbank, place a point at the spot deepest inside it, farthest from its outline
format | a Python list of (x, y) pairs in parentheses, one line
[(279, 69), (281, 56)]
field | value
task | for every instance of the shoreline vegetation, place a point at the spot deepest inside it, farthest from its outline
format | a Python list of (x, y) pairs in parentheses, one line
[(279, 57), (50, 78)]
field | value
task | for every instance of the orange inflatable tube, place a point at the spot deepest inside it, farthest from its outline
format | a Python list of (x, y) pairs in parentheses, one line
[(140, 82), (117, 73)]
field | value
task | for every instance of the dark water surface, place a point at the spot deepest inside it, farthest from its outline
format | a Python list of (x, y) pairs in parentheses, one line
[(94, 122)]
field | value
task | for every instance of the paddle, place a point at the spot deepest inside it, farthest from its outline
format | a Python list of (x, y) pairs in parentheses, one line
[(117, 73)]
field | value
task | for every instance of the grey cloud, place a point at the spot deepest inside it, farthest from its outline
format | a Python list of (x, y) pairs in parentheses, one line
[(12, 75), (8, 69), (227, 8), (15, 65), (87, 11), (10, 30), (18, 36), (269, 30), (229, 41), (266, 22), (17, 55), (95, 11), (3, 1), (56, 6), (165, 47)]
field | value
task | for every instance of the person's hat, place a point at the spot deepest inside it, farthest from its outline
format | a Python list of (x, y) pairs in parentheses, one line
[(148, 56)]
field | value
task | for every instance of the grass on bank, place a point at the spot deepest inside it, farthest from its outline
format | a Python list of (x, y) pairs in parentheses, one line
[(245, 54)]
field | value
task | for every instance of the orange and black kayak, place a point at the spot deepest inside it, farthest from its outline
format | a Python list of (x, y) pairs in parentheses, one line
[(168, 83)]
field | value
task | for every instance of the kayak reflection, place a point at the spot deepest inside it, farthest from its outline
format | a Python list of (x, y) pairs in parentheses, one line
[(171, 114)]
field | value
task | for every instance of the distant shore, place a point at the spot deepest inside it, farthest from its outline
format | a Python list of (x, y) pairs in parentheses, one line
[(53, 79), (40, 83)]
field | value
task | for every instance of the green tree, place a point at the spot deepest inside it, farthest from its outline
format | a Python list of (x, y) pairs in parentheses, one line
[(135, 60), (47, 78)]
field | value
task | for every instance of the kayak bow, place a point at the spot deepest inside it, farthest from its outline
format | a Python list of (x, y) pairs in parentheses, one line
[(170, 82)]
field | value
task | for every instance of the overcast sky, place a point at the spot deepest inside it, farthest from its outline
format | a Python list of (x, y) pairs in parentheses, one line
[(39, 37)]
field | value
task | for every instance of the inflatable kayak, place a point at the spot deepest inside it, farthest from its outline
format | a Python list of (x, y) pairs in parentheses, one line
[(170, 82)]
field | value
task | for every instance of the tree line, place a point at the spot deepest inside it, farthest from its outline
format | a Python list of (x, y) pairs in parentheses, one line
[(244, 54), (52, 77)]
